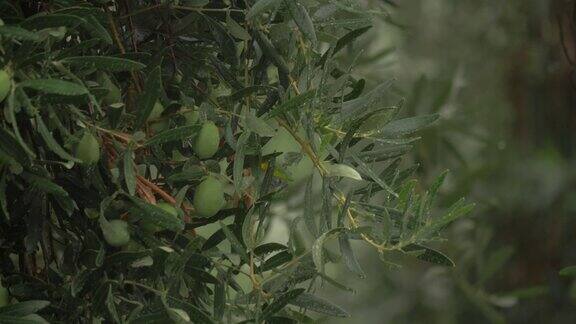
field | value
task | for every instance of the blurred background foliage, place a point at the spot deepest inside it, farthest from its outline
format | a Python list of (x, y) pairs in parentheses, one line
[(498, 75)]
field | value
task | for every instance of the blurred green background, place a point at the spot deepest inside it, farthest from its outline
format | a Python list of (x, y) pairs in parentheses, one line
[(497, 73)]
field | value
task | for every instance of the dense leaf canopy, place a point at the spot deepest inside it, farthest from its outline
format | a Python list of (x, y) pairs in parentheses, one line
[(128, 126)]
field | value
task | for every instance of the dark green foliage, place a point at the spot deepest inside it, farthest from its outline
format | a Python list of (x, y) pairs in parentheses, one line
[(253, 71)]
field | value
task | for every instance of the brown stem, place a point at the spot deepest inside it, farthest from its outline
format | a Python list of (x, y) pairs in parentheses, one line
[(166, 196)]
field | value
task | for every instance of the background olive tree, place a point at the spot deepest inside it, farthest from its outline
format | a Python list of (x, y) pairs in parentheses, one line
[(498, 75)]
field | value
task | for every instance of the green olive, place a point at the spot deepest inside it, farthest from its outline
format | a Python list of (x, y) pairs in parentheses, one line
[(157, 125), (153, 228), (207, 141), (209, 197), (5, 84), (191, 116), (4, 296), (156, 112), (114, 94), (88, 149), (116, 232)]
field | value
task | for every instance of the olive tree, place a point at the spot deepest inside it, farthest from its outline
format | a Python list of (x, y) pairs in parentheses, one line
[(128, 126)]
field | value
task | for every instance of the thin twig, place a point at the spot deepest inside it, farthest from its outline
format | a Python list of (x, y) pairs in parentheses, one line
[(166, 196)]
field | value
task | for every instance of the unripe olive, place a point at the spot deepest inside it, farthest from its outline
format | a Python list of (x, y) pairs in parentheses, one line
[(4, 296), (207, 141), (114, 94), (209, 197), (5, 84), (157, 125), (191, 116), (88, 150), (153, 228), (156, 112), (116, 232)]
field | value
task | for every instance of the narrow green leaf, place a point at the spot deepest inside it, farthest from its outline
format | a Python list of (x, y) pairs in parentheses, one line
[(24, 308), (175, 134), (104, 63), (280, 302), (214, 240), (11, 116), (370, 173), (349, 38), (54, 86), (236, 30), (341, 170), (249, 91), (19, 33), (302, 19), (359, 107), (408, 126), (275, 261), (270, 51), (152, 91), (433, 190), (12, 148), (267, 248), (309, 203), (45, 184), (28, 319), (292, 103), (79, 281), (259, 126), (201, 275), (318, 247), (129, 172), (326, 205), (248, 229), (225, 41), (238, 170), (195, 313), (96, 29), (457, 210), (156, 215), (125, 257), (111, 306), (261, 6), (41, 21), (335, 283), (319, 305), (220, 297), (386, 153), (234, 242), (430, 255), (192, 174), (375, 120), (350, 259), (51, 142)]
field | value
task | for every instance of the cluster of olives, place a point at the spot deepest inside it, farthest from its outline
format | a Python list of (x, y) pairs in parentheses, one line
[(208, 197)]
